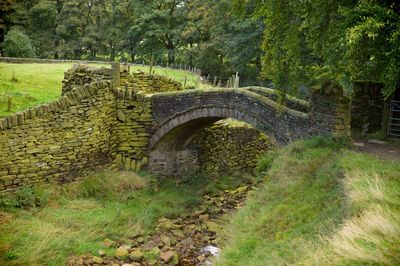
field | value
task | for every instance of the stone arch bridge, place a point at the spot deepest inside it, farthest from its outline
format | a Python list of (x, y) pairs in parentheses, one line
[(113, 117), (178, 116)]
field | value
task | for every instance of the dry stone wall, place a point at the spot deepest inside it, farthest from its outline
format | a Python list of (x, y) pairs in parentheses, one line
[(225, 148), (80, 75), (58, 142), (147, 83), (367, 107), (330, 111), (133, 123)]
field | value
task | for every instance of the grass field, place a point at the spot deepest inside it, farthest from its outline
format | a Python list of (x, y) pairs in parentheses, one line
[(33, 84), (321, 204)]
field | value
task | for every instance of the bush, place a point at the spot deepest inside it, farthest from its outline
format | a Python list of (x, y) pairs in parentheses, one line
[(17, 44)]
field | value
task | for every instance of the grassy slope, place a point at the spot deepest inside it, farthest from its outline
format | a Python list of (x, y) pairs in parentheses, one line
[(76, 218), (41, 83), (320, 205)]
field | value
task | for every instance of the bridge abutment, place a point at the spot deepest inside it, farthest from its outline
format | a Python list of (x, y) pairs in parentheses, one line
[(330, 111)]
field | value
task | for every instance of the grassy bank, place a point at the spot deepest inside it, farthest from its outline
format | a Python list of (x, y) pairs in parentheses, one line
[(77, 218), (321, 204), (33, 84), (46, 225)]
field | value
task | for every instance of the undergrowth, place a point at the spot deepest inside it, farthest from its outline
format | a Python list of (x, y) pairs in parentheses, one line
[(321, 204)]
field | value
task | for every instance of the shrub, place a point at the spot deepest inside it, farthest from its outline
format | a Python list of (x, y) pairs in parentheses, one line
[(17, 44)]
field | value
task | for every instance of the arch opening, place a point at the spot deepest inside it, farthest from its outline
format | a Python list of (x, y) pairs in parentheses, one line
[(186, 148)]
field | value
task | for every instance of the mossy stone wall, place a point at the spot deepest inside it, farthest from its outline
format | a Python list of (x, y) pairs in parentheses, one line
[(367, 107), (330, 111), (80, 75), (225, 148), (131, 135), (147, 83), (60, 141)]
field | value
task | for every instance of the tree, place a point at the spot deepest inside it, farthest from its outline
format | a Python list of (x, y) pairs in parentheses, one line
[(342, 40), (160, 23), (6, 7), (17, 44), (42, 25)]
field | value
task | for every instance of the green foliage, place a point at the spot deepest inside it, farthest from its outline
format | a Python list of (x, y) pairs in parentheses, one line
[(25, 198), (17, 44), (265, 162), (205, 34), (307, 42)]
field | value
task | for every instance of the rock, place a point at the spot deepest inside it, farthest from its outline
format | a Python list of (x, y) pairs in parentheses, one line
[(204, 217), (242, 189), (102, 253), (127, 247), (173, 241), (213, 226), (167, 256), (188, 242), (136, 255), (178, 233), (166, 240), (358, 144), (175, 260), (108, 243), (140, 239), (167, 224), (121, 252), (197, 213), (213, 210), (375, 141), (201, 258), (97, 260)]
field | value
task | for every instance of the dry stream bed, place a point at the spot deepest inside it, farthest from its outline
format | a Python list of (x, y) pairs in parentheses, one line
[(189, 240)]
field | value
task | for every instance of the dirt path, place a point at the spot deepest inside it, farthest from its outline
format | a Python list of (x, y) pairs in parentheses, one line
[(380, 149)]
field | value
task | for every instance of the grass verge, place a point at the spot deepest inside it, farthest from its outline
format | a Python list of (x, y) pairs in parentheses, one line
[(321, 204)]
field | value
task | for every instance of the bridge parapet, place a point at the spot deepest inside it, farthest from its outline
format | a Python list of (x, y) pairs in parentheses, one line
[(290, 101)]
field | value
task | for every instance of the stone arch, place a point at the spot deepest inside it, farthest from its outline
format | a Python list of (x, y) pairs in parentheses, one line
[(177, 117), (199, 118)]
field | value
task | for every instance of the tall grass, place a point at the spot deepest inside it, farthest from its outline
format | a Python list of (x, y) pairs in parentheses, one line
[(76, 218), (321, 205)]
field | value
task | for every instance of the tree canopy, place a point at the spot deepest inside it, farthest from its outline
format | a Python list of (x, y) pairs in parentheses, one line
[(295, 44), (342, 40)]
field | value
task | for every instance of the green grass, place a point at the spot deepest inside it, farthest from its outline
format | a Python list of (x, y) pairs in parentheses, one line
[(45, 225), (177, 75), (321, 204), (78, 217), (36, 84)]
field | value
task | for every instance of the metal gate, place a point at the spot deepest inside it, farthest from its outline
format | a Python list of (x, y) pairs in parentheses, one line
[(394, 120)]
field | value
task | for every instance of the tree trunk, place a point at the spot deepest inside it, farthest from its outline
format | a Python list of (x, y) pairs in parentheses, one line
[(171, 55), (112, 55), (133, 58)]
